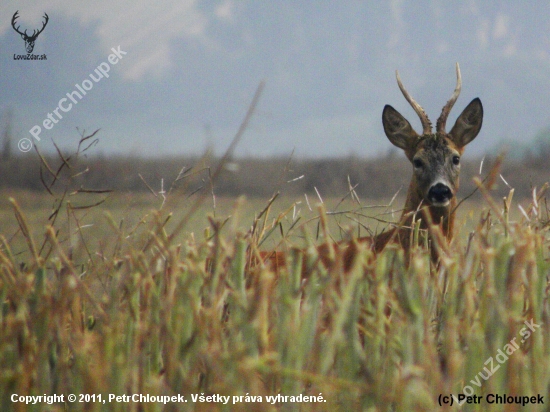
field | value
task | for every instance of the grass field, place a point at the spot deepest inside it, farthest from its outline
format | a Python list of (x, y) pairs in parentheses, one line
[(133, 211), (116, 300)]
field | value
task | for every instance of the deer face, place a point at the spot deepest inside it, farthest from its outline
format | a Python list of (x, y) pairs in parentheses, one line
[(436, 168), (435, 157)]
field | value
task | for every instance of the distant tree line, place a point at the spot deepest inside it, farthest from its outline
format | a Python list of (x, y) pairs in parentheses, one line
[(257, 177), (254, 177)]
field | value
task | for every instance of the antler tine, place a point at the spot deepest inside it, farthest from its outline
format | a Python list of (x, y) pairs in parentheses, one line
[(46, 19), (426, 124), (440, 125), (35, 33), (14, 22)]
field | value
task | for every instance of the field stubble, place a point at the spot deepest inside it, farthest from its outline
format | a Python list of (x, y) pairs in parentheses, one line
[(117, 299)]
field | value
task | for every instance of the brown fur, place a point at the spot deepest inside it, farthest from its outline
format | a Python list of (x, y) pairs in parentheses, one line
[(432, 192)]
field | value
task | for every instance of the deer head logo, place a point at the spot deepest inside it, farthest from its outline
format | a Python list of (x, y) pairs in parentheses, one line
[(29, 40)]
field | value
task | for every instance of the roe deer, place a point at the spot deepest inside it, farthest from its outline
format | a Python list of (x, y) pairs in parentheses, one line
[(435, 158)]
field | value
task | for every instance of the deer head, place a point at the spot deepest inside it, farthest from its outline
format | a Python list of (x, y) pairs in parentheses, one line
[(29, 40), (435, 156)]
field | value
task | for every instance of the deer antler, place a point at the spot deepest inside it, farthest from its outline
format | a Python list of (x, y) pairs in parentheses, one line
[(14, 18), (426, 124), (34, 32), (46, 19), (440, 125)]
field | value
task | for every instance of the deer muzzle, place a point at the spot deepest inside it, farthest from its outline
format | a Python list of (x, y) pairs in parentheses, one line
[(440, 194)]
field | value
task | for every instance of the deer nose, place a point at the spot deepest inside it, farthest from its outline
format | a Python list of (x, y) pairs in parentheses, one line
[(440, 193)]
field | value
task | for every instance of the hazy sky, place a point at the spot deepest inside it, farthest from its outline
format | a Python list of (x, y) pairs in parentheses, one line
[(191, 69)]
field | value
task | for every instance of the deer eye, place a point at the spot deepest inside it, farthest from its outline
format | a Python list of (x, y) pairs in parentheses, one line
[(456, 160), (418, 164)]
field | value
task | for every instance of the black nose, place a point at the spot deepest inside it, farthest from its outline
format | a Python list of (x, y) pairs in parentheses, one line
[(440, 193)]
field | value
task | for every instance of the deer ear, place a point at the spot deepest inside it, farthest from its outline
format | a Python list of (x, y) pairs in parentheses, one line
[(397, 128), (468, 124)]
